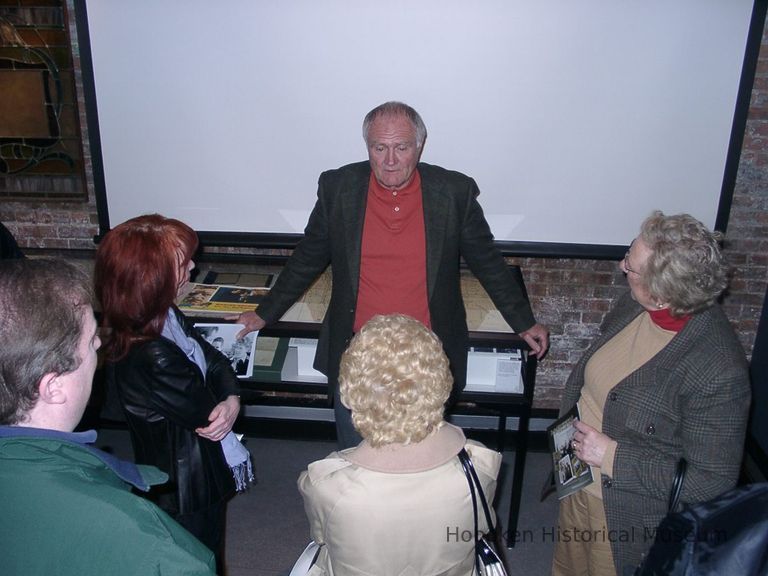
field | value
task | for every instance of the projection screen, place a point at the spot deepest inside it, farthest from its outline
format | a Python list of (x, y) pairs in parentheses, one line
[(576, 119)]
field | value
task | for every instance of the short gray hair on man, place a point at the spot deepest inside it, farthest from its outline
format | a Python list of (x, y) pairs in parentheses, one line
[(686, 268), (41, 322), (396, 109)]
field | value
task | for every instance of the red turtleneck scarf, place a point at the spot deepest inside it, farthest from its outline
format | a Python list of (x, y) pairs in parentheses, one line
[(663, 319)]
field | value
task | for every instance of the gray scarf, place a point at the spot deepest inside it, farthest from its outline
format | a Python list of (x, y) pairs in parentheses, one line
[(237, 456)]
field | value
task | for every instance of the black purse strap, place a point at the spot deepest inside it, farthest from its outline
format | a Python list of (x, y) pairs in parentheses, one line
[(677, 485), (464, 458), (474, 484)]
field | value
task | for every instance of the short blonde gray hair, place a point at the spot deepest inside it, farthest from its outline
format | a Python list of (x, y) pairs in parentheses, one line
[(395, 378), (686, 268)]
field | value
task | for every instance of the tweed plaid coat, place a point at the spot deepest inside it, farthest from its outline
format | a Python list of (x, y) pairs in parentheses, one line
[(689, 400)]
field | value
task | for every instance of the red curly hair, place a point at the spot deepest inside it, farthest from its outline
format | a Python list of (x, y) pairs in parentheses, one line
[(135, 277)]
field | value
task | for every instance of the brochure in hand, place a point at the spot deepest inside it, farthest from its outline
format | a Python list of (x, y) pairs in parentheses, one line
[(570, 473)]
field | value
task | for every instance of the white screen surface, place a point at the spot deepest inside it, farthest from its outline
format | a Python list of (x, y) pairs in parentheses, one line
[(575, 118)]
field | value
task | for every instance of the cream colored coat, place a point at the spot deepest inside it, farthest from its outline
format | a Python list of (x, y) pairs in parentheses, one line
[(397, 510)]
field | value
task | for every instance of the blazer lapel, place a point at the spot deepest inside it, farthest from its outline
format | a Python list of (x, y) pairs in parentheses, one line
[(436, 209), (668, 358), (353, 215)]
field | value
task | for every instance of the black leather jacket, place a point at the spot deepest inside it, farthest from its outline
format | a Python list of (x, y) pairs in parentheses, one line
[(165, 398)]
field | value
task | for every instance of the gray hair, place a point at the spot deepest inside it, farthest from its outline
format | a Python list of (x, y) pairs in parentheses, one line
[(41, 322), (396, 109), (686, 268)]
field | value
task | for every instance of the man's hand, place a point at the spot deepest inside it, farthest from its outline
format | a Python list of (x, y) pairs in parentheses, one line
[(221, 419), (537, 337), (251, 320)]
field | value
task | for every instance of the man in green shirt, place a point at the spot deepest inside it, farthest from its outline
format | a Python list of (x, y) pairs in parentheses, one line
[(66, 507)]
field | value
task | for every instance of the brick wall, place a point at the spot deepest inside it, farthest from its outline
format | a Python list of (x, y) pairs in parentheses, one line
[(52, 224), (747, 234), (570, 296)]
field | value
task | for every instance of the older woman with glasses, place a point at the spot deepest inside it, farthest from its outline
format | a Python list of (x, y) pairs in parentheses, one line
[(665, 379)]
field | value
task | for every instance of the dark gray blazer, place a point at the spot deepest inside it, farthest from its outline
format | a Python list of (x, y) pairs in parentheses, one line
[(455, 226), (689, 400)]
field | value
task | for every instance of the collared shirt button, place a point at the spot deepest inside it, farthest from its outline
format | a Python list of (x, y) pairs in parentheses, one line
[(397, 208), (394, 193), (607, 482), (614, 396), (651, 430)]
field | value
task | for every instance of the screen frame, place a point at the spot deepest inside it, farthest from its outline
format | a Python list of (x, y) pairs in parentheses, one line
[(267, 241)]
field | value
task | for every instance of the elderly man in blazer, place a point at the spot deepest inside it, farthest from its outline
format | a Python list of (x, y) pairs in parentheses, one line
[(393, 230)]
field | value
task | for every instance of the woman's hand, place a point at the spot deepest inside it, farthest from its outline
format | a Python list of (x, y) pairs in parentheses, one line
[(221, 419), (589, 445)]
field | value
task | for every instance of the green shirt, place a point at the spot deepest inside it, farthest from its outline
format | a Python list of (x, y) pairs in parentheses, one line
[(64, 510)]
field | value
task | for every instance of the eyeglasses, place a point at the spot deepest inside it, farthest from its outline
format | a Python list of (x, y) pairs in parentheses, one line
[(626, 264)]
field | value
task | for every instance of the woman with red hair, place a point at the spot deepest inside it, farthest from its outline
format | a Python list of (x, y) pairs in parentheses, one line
[(179, 394)]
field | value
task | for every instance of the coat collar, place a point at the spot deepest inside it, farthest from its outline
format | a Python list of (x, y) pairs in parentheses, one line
[(668, 357), (435, 450), (140, 476)]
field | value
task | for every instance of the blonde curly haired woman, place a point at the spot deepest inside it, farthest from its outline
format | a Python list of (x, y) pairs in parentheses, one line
[(398, 502)]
